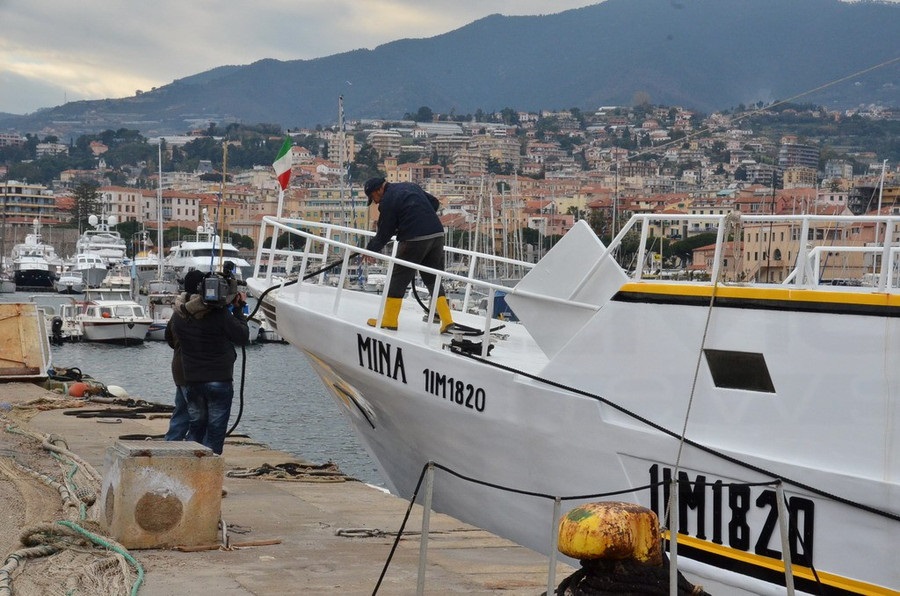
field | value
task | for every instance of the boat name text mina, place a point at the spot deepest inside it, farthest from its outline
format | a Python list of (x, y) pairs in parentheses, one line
[(381, 358)]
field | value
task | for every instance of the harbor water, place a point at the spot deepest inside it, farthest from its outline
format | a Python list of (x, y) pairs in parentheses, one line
[(285, 404)]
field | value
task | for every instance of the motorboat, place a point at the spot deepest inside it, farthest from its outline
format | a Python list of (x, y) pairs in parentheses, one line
[(7, 284), (112, 317), (119, 277), (35, 264), (69, 282), (751, 399), (61, 322), (160, 308), (205, 252), (91, 266)]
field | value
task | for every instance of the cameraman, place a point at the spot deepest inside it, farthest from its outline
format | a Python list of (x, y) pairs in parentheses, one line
[(207, 333)]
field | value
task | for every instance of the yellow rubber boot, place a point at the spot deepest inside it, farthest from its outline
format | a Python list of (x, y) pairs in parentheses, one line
[(443, 311), (391, 314)]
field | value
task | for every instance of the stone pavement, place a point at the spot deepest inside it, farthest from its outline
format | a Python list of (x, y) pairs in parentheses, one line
[(312, 555)]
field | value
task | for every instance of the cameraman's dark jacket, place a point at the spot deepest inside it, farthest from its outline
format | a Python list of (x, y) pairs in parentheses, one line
[(206, 336)]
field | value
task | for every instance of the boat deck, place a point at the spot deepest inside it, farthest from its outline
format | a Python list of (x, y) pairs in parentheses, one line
[(513, 346)]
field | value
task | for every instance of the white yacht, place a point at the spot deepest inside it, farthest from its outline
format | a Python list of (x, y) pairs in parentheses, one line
[(206, 252), (103, 241), (35, 264)]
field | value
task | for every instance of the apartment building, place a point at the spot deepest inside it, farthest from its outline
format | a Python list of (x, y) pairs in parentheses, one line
[(799, 177), (11, 139), (123, 203), (797, 154), (385, 142), (22, 202)]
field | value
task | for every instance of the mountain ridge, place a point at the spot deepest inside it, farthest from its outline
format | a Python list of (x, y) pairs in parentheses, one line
[(702, 54)]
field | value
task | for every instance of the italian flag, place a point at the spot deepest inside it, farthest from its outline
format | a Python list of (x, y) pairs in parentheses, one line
[(283, 164)]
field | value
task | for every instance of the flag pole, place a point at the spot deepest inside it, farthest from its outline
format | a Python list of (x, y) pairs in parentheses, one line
[(283, 164), (274, 234)]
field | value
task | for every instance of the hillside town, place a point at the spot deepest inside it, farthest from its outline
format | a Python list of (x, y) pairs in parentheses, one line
[(514, 182)]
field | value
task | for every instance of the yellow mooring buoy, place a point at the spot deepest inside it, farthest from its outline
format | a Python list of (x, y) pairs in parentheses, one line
[(611, 530)]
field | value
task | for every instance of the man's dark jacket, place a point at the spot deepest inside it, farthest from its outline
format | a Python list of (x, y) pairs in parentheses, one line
[(207, 337), (407, 211)]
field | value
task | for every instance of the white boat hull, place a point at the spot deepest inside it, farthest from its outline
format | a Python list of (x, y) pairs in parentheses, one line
[(115, 331), (597, 413)]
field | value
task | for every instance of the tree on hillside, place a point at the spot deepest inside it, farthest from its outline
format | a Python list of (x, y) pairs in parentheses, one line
[(365, 164), (424, 114), (509, 116), (87, 198)]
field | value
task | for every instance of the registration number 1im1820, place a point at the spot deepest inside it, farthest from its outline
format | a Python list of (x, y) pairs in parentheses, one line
[(722, 513)]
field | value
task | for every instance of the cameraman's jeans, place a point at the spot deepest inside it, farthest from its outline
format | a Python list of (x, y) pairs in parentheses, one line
[(181, 418), (209, 405)]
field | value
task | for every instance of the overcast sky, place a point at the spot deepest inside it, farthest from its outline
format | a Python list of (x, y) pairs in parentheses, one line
[(54, 51)]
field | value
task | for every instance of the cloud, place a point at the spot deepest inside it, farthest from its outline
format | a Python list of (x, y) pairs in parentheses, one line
[(90, 49)]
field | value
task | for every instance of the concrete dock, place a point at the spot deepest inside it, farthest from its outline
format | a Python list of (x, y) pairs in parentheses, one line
[(330, 537)]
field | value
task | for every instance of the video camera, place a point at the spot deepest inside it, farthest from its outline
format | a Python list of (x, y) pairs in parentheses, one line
[(221, 288)]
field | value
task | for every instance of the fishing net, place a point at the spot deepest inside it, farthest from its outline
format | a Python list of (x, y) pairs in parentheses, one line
[(42, 487)]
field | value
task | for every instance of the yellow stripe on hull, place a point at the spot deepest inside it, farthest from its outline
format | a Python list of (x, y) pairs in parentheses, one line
[(764, 293), (827, 579)]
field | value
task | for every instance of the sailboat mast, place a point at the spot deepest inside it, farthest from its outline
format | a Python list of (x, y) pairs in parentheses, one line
[(340, 136), (159, 218), (877, 225)]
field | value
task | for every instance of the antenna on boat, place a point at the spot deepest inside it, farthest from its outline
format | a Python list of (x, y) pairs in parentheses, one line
[(221, 218)]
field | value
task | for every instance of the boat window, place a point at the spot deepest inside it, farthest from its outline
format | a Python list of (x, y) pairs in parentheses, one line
[(739, 370)]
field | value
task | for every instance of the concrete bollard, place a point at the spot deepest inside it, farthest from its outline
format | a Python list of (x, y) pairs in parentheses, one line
[(161, 494)]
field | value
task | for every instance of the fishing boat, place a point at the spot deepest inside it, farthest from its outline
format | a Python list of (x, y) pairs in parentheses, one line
[(757, 401), (111, 316)]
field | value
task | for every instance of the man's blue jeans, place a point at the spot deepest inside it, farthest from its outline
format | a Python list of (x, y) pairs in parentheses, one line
[(181, 418), (209, 406)]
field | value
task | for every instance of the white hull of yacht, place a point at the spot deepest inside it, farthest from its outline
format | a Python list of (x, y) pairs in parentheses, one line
[(114, 331), (591, 399)]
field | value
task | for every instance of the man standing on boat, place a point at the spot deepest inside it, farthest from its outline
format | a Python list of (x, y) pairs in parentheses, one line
[(411, 213), (207, 334)]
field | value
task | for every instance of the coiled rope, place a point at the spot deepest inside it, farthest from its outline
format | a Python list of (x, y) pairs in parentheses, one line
[(49, 539)]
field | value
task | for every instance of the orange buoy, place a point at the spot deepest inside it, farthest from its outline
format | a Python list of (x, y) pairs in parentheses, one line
[(78, 389)]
